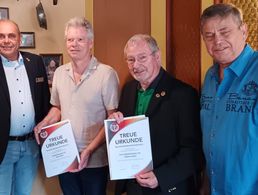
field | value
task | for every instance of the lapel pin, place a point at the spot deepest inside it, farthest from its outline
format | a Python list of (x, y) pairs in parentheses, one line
[(28, 59), (163, 93), (157, 95)]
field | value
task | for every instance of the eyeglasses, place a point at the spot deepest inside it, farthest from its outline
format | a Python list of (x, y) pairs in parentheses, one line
[(141, 58)]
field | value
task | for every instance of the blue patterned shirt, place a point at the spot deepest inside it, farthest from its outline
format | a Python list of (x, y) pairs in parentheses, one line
[(229, 118)]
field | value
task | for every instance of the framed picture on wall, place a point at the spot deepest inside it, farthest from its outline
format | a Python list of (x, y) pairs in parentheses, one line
[(52, 61), (4, 13), (27, 40)]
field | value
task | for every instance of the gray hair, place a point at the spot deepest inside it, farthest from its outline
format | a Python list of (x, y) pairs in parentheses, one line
[(80, 22), (222, 10), (151, 42)]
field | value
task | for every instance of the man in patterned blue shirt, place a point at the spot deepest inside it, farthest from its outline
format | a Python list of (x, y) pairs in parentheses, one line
[(229, 113)]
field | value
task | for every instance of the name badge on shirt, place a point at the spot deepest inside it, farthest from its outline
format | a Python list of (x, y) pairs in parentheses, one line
[(39, 79)]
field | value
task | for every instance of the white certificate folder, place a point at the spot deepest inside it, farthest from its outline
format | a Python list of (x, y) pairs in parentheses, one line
[(128, 146), (58, 148)]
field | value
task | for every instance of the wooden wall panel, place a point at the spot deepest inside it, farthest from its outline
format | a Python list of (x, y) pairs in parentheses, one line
[(115, 21), (183, 40)]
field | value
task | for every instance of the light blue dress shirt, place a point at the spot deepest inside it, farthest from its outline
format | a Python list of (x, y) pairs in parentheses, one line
[(22, 108), (229, 118)]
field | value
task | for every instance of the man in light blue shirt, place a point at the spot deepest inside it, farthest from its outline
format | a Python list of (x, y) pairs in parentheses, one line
[(229, 107), (24, 101)]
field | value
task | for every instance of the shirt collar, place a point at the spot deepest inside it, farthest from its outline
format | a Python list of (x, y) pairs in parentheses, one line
[(91, 66), (238, 65), (155, 82), (8, 63), (242, 60)]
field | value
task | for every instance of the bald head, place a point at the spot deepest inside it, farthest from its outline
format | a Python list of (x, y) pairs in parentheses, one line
[(6, 21), (10, 39)]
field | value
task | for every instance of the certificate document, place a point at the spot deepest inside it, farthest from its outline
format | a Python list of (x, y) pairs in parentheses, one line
[(128, 146), (58, 148)]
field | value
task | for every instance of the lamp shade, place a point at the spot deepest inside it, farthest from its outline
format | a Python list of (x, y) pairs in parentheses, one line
[(41, 16)]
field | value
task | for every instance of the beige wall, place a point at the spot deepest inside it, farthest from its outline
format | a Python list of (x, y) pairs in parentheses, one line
[(23, 12), (51, 40), (158, 26), (206, 60)]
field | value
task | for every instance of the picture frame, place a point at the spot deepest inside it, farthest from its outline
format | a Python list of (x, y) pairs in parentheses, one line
[(27, 40), (51, 62), (4, 13)]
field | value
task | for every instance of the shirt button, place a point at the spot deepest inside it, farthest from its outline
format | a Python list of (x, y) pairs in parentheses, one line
[(212, 172), (211, 153), (212, 135)]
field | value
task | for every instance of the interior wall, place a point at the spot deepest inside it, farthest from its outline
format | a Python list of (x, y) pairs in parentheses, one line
[(206, 60), (115, 21), (23, 12), (158, 30), (158, 26), (51, 41), (183, 41)]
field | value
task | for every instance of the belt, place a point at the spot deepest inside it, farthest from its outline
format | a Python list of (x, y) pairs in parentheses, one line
[(29, 136)]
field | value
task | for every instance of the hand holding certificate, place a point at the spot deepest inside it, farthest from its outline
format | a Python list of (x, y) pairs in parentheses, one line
[(128, 146), (58, 147)]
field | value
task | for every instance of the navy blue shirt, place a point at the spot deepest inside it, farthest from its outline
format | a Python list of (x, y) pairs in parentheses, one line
[(229, 119)]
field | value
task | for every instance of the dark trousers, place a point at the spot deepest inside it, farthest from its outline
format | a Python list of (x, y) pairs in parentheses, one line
[(133, 188), (89, 181)]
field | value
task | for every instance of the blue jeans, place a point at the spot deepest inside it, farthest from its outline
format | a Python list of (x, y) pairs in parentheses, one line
[(19, 167), (89, 181)]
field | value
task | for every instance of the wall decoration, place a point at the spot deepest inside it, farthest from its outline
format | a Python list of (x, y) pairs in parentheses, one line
[(41, 16), (27, 40), (52, 61), (4, 13)]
